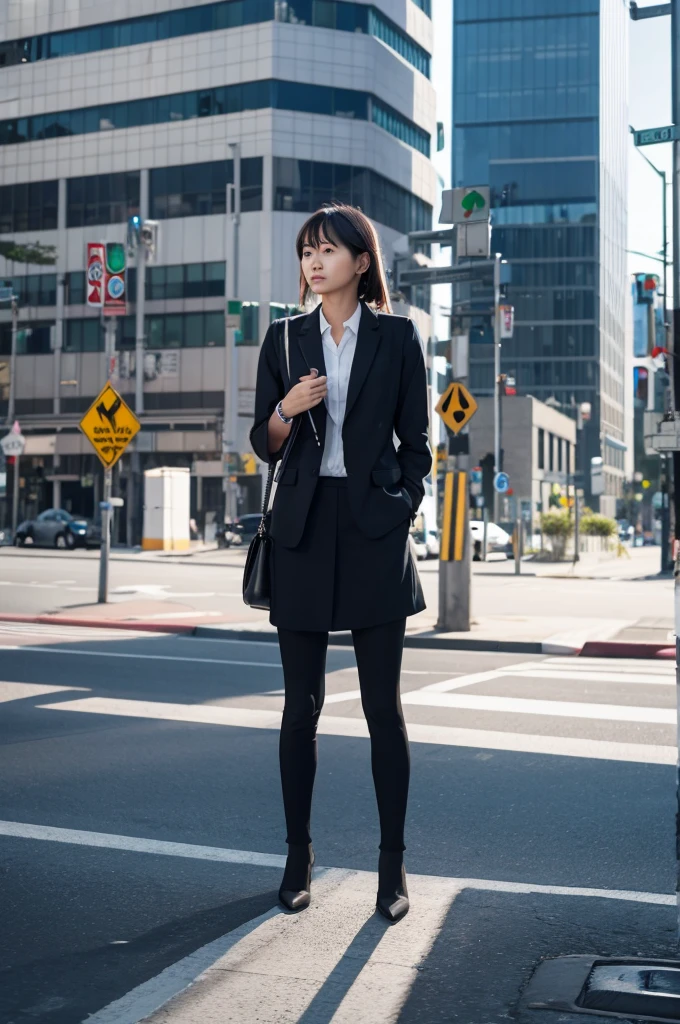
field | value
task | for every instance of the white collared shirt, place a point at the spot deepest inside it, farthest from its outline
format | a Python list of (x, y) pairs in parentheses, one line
[(338, 359)]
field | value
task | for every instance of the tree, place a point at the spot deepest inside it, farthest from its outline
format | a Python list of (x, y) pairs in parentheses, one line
[(30, 252)]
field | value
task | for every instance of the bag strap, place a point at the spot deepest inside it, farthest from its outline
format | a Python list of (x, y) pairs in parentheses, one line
[(275, 470)]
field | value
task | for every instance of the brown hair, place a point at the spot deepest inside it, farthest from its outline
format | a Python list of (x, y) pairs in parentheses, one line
[(348, 226)]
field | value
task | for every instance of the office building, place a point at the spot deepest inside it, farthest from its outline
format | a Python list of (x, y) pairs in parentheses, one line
[(539, 109), (114, 110)]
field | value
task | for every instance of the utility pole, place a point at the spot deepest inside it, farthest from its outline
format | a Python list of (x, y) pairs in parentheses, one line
[(232, 222), (497, 379), (675, 346), (105, 504), (140, 259), (13, 362)]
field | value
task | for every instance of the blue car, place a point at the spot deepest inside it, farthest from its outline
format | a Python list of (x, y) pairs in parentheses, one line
[(56, 528)]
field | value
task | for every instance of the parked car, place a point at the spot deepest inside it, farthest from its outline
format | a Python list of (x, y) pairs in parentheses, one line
[(497, 540), (58, 529), (240, 532), (424, 538)]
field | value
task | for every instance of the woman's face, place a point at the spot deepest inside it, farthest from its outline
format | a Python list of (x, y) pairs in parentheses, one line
[(332, 267)]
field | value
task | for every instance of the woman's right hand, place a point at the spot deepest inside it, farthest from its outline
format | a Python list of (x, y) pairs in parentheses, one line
[(309, 392)]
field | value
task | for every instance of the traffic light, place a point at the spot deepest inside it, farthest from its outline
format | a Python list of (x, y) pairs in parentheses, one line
[(487, 466), (646, 286)]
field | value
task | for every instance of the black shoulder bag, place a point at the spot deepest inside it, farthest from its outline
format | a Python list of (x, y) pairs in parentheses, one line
[(257, 572)]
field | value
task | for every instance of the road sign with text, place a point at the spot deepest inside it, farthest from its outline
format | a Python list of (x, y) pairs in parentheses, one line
[(109, 425), (649, 136)]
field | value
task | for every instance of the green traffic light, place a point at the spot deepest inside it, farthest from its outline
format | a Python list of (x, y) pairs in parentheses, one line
[(115, 257)]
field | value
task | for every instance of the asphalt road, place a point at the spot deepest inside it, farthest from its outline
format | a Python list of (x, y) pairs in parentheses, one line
[(35, 582), (141, 820)]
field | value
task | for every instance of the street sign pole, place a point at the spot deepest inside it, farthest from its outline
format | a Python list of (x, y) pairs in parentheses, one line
[(105, 549), (13, 364), (15, 497), (497, 377)]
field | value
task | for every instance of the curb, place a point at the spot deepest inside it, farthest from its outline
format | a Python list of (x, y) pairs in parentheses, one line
[(591, 649), (626, 649), (424, 642), (142, 627)]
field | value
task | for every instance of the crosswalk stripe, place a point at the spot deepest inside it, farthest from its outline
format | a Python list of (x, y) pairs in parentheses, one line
[(557, 708), (19, 691), (655, 679), (247, 718)]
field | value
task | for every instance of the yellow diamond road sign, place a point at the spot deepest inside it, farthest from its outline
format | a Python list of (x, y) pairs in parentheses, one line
[(109, 425), (456, 407)]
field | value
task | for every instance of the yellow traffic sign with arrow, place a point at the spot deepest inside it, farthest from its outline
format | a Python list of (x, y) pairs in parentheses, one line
[(456, 406), (109, 425)]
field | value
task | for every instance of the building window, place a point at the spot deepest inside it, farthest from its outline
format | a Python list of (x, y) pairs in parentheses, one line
[(29, 206), (34, 289), (551, 453), (305, 185), (83, 335), (541, 448), (226, 99), (344, 17), (101, 199), (194, 190), (425, 5), (176, 330), (32, 339)]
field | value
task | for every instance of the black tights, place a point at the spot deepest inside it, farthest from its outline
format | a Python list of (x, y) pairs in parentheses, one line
[(378, 651)]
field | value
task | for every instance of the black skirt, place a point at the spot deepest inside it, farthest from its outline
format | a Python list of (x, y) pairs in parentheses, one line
[(336, 578)]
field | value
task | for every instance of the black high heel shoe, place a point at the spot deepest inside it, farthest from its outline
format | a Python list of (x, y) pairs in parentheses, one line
[(295, 891), (392, 901)]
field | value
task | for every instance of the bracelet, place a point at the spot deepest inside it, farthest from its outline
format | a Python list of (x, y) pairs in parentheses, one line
[(282, 416)]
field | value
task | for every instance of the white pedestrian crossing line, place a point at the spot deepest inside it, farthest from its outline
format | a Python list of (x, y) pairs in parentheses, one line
[(20, 691), (557, 708), (363, 970), (57, 631), (331, 725)]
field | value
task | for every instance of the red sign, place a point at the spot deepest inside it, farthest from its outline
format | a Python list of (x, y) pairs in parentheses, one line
[(95, 274)]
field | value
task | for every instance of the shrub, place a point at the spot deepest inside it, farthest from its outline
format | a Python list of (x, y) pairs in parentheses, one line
[(597, 525), (557, 526)]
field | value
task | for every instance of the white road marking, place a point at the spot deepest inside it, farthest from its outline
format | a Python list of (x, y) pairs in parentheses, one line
[(663, 666), (19, 691), (653, 679), (363, 971), (162, 847), (144, 657), (556, 708), (247, 718)]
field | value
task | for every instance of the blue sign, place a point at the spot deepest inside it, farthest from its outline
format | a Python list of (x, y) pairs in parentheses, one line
[(501, 483)]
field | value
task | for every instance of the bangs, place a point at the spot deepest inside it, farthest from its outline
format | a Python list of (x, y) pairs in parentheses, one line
[(317, 229)]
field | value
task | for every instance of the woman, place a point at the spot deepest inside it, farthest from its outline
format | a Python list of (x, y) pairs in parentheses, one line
[(340, 520)]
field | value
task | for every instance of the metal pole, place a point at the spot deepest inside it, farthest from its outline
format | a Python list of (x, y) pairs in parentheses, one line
[(484, 534), (675, 346), (106, 540), (577, 523), (15, 497), (139, 327), (232, 223), (497, 374), (13, 363)]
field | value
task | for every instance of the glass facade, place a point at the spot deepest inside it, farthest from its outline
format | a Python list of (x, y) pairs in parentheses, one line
[(29, 206), (101, 199), (226, 99), (335, 14), (192, 190), (34, 289), (305, 185), (533, 81)]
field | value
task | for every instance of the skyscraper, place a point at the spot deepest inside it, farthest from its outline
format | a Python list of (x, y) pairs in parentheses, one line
[(540, 114)]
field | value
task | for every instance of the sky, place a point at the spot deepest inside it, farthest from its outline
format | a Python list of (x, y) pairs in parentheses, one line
[(649, 101)]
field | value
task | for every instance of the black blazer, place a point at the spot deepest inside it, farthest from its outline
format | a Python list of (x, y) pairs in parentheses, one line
[(387, 392)]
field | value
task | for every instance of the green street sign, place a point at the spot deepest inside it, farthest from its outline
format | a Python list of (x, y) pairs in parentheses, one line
[(650, 136), (465, 205)]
